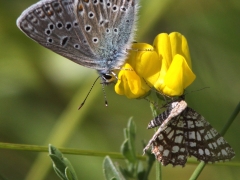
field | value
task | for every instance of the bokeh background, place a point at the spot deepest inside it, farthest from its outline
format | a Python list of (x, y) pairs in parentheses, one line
[(40, 91)]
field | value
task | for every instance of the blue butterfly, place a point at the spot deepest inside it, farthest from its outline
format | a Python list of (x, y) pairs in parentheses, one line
[(93, 33)]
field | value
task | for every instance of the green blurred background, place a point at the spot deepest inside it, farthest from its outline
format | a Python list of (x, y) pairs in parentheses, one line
[(41, 91)]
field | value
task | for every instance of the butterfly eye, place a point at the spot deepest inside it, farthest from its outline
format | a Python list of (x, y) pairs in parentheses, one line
[(107, 77)]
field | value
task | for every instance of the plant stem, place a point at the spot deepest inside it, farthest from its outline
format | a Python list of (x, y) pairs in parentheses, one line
[(158, 171), (231, 119), (35, 148)]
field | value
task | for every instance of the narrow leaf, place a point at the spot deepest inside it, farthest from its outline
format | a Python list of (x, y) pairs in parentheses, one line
[(61, 165), (111, 172)]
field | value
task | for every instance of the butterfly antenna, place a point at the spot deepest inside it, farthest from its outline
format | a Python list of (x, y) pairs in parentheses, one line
[(105, 96), (88, 93)]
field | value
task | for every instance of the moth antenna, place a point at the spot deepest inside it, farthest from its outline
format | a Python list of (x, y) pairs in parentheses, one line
[(163, 95), (88, 93), (196, 90)]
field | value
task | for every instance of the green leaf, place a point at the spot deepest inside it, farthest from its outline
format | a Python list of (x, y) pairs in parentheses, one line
[(141, 171), (111, 172), (69, 174), (128, 146), (125, 150), (59, 173), (61, 165), (58, 166)]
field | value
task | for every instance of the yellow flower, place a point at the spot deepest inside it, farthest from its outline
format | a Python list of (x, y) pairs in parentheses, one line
[(130, 84), (176, 73), (166, 66), (133, 79)]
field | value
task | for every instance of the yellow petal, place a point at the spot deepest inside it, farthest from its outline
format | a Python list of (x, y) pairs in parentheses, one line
[(130, 84), (136, 52), (145, 61), (178, 77), (180, 46), (162, 46)]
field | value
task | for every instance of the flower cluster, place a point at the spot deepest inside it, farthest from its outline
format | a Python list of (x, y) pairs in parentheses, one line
[(166, 66)]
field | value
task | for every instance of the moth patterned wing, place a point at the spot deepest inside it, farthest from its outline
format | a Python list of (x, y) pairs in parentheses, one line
[(170, 146), (203, 141), (187, 133)]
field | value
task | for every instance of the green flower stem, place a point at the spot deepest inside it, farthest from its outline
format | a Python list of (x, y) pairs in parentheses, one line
[(35, 148), (198, 170), (150, 161), (201, 165), (158, 165), (231, 119), (158, 171)]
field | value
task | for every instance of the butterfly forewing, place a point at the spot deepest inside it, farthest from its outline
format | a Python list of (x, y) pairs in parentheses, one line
[(189, 134), (93, 33)]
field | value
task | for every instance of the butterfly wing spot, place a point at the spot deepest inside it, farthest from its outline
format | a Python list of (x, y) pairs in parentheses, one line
[(64, 40), (76, 46), (49, 40), (115, 30), (187, 133), (86, 1), (48, 32), (48, 9), (40, 14), (68, 26), (91, 15), (51, 26), (88, 28), (57, 7), (115, 8), (33, 19), (75, 24), (123, 9), (95, 40), (80, 8), (109, 4), (59, 25)]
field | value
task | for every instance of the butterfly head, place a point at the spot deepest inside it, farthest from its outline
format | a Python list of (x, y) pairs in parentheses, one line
[(107, 78)]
